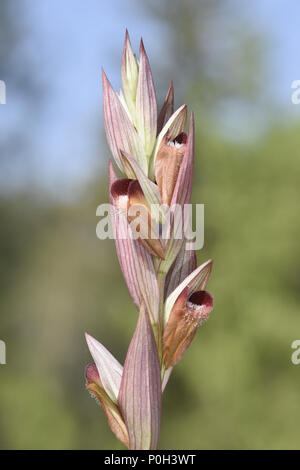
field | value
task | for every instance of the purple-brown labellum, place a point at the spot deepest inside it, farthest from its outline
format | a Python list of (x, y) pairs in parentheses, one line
[(128, 196), (186, 315), (167, 165), (119, 193)]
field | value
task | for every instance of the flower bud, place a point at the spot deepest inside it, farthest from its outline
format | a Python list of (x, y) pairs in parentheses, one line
[(186, 315), (129, 198), (130, 72), (146, 107), (167, 165), (111, 409)]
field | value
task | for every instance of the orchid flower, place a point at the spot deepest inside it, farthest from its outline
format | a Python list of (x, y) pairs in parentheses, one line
[(155, 153)]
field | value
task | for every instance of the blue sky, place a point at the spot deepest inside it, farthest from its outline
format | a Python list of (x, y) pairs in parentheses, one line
[(280, 19), (71, 39)]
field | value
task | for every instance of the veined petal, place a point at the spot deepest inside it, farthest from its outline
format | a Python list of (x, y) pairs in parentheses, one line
[(166, 377), (129, 72), (141, 390), (129, 199), (141, 221), (150, 189), (167, 109), (173, 234), (120, 132), (188, 312), (110, 370), (167, 165), (196, 281), (111, 410), (173, 246), (146, 107), (183, 266), (135, 261), (181, 196), (183, 188), (174, 126), (124, 104)]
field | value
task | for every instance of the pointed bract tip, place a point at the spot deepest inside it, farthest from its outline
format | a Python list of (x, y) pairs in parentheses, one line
[(143, 53), (90, 341), (87, 336), (105, 80), (127, 42), (180, 119), (207, 263), (142, 47), (171, 90), (170, 97)]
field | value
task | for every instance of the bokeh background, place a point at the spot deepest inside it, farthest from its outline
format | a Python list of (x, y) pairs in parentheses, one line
[(233, 63)]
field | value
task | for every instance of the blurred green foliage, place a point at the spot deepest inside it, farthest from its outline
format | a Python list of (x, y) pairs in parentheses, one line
[(236, 387)]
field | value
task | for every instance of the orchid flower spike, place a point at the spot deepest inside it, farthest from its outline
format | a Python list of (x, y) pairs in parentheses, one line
[(154, 151)]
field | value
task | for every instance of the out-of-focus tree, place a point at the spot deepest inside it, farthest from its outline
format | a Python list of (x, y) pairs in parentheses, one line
[(24, 96), (211, 51)]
